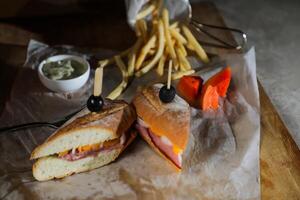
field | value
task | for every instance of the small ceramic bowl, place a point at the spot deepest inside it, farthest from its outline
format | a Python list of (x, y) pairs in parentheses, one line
[(68, 85)]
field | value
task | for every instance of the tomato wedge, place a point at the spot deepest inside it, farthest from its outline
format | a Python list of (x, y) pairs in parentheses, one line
[(214, 88), (209, 98), (189, 88), (220, 80)]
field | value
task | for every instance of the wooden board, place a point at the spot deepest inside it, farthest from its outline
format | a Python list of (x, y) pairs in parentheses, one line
[(280, 156)]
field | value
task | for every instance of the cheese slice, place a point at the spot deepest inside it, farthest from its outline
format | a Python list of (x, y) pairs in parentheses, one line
[(91, 147)]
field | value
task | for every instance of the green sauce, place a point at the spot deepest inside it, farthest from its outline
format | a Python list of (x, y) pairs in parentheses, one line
[(63, 69)]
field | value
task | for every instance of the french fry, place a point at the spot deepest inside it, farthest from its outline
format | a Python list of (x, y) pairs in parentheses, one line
[(119, 89), (132, 56), (121, 65), (193, 42), (144, 52), (152, 51), (176, 65), (154, 26), (155, 45), (190, 47), (180, 74), (177, 36), (167, 48), (167, 52), (105, 62), (165, 18), (181, 67), (138, 32), (161, 64), (146, 11), (182, 48), (146, 62), (159, 5), (159, 52), (142, 28), (174, 25), (183, 61)]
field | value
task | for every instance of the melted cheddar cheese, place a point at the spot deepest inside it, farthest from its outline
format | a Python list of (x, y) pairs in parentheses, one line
[(92, 147), (176, 150)]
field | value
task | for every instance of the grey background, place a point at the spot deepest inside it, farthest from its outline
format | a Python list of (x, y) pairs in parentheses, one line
[(273, 27)]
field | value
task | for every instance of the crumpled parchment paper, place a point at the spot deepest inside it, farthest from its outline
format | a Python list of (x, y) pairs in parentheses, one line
[(221, 161)]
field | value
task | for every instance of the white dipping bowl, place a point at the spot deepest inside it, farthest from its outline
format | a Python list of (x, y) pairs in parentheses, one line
[(64, 85)]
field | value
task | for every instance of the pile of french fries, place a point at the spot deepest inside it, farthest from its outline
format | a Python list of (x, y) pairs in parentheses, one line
[(157, 43)]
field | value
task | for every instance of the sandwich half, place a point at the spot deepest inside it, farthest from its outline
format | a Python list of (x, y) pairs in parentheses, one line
[(164, 126), (86, 142)]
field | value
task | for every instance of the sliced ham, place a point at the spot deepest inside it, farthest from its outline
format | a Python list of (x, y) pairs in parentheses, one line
[(165, 147), (72, 156), (75, 155)]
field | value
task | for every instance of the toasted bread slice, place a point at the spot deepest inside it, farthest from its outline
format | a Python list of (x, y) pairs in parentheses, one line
[(171, 120), (108, 124), (114, 120), (165, 119), (51, 167)]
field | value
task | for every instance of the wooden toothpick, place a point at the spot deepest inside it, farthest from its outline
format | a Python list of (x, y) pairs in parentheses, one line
[(169, 74), (98, 81)]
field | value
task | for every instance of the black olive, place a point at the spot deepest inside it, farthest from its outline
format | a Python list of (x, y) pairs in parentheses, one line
[(167, 95), (95, 103)]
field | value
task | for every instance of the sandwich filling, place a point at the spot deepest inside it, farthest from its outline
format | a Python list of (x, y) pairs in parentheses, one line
[(95, 149), (164, 145)]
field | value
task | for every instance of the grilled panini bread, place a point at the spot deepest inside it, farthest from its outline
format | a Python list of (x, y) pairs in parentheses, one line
[(88, 141), (165, 126)]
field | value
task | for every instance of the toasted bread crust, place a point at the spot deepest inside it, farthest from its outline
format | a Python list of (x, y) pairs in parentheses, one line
[(171, 120), (118, 116), (89, 120)]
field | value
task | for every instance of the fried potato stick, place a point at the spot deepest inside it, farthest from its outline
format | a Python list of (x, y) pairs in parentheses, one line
[(196, 46), (145, 51), (146, 11), (108, 61), (119, 89), (174, 25), (161, 64), (177, 36), (180, 74), (142, 29), (182, 48), (165, 18), (133, 55), (159, 52), (183, 61)]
